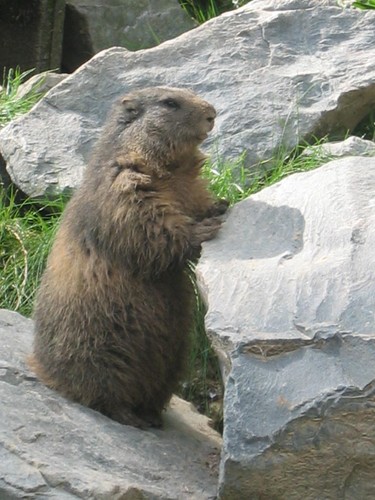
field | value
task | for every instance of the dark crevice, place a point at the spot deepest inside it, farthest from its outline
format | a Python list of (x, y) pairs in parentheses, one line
[(77, 44), (352, 108), (366, 127), (5, 179)]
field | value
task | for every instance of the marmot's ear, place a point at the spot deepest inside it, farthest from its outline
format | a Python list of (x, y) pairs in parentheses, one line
[(131, 109)]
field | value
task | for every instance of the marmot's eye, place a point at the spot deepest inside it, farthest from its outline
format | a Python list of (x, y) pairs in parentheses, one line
[(132, 111), (170, 103)]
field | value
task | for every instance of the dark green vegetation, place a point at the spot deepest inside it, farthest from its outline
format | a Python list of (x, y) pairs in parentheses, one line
[(364, 4), (26, 233), (203, 10), (27, 226), (11, 104)]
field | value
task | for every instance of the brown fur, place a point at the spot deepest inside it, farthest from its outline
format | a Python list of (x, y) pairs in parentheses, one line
[(114, 308)]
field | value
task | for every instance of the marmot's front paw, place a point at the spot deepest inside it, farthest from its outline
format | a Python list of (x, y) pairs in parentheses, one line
[(220, 207), (216, 209), (205, 230)]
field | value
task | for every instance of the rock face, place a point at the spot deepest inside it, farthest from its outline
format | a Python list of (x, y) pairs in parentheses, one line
[(52, 448), (275, 70), (95, 25), (290, 287)]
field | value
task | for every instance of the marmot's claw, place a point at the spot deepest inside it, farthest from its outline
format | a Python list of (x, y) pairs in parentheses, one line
[(205, 230)]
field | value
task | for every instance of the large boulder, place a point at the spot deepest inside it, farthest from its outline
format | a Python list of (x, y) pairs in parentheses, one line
[(290, 289), (276, 71), (95, 25), (53, 448)]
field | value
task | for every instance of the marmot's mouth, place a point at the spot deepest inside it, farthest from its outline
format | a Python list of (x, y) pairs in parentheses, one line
[(203, 136)]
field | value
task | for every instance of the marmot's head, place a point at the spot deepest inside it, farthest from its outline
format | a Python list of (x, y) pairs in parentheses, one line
[(159, 123)]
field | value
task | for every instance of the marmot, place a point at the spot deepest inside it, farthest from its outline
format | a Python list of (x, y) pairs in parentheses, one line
[(114, 308)]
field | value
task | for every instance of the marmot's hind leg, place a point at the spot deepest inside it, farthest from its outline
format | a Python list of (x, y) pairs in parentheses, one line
[(151, 417), (126, 416)]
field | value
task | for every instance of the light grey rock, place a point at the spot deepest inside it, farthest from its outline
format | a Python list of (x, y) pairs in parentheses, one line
[(290, 289), (40, 83), (95, 25), (275, 70), (52, 448), (352, 146)]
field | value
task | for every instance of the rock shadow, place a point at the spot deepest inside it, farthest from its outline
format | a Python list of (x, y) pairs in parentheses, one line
[(257, 230)]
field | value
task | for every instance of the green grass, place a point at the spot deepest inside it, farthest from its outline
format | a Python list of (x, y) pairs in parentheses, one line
[(26, 233), (364, 4), (11, 105), (203, 10), (198, 12), (27, 227), (234, 182)]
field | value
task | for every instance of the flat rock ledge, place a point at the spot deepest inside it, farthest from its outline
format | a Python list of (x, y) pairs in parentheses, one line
[(290, 289), (51, 448)]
